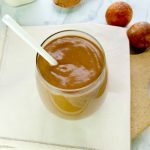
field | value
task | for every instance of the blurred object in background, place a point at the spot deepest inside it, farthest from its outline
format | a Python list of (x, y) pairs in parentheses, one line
[(18, 2), (66, 3)]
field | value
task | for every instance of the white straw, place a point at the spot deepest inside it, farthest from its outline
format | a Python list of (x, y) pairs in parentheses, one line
[(28, 39)]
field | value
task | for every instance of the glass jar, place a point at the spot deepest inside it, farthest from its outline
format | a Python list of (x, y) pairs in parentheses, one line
[(72, 103), (17, 2), (66, 3)]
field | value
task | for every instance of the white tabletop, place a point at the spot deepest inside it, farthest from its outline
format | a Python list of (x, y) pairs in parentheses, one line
[(44, 12)]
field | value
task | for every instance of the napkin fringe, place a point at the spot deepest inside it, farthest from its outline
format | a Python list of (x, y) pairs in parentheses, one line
[(48, 144)]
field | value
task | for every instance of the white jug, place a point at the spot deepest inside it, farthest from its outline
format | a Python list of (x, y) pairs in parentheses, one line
[(17, 2)]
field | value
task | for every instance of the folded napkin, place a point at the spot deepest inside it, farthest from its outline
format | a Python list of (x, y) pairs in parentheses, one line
[(25, 120)]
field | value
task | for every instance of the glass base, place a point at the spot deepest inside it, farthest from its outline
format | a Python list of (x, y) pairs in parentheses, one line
[(16, 3)]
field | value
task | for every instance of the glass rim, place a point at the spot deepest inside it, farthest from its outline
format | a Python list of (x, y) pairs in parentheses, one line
[(84, 88)]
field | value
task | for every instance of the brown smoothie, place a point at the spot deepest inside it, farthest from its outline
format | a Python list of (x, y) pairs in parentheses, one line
[(80, 62)]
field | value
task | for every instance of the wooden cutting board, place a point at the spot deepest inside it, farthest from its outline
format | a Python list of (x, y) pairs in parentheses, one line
[(140, 97)]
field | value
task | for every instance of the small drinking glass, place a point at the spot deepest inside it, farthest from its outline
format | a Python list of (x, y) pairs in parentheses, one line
[(71, 103)]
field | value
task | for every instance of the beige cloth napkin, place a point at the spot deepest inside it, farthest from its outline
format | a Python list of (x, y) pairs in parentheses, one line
[(24, 117)]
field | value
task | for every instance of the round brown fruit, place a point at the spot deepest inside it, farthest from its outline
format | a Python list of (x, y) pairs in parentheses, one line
[(119, 14), (139, 35)]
